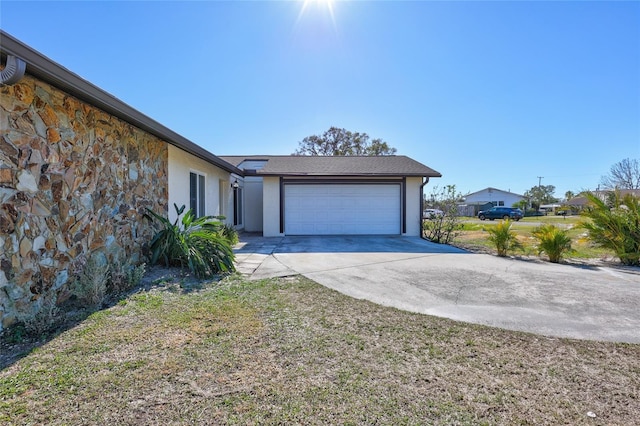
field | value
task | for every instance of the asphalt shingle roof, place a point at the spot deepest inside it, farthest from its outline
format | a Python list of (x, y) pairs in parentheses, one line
[(293, 165)]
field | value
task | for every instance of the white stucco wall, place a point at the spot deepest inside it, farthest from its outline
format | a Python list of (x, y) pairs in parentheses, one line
[(218, 200), (271, 207), (253, 204), (414, 206)]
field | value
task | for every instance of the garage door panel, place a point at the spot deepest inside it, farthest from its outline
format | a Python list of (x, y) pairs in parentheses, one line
[(334, 209)]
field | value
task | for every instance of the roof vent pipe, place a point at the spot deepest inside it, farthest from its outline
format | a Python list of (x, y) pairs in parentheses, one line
[(13, 70)]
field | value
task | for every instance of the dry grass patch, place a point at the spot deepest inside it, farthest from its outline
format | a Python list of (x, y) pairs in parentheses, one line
[(288, 351)]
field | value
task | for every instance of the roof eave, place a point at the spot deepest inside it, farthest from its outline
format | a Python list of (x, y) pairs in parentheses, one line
[(49, 71), (396, 175)]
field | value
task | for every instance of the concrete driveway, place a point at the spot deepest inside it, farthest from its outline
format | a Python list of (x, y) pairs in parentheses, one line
[(577, 301)]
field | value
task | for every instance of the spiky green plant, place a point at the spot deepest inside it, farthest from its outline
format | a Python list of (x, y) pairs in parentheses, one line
[(196, 243), (617, 227), (228, 231), (552, 241), (503, 237)]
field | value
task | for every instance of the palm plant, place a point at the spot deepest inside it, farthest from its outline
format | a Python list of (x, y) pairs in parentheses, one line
[(503, 238), (197, 243), (228, 231), (617, 227), (553, 241)]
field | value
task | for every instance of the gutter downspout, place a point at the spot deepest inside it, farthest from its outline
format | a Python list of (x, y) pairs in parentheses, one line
[(13, 70), (425, 181)]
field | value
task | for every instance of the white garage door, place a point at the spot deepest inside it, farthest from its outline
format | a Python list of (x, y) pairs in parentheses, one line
[(338, 209)]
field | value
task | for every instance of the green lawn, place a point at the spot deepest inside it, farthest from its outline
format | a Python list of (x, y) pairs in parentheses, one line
[(289, 351), (474, 236), (558, 220)]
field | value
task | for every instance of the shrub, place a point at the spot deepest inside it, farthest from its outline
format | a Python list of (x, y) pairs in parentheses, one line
[(124, 276), (43, 320), (443, 229), (229, 233), (553, 241), (90, 285), (503, 238), (615, 225), (193, 242)]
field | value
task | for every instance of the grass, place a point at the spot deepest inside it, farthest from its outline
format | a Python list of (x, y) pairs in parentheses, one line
[(289, 351), (475, 237)]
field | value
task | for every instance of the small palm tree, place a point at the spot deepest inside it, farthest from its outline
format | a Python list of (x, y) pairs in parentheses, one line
[(503, 238), (553, 241), (617, 227), (197, 243)]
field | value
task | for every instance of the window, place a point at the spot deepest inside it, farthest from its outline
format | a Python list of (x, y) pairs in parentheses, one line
[(196, 194), (501, 203)]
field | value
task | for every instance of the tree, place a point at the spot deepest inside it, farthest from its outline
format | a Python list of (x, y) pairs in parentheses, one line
[(522, 205), (615, 227), (541, 194), (337, 141), (623, 175), (569, 195)]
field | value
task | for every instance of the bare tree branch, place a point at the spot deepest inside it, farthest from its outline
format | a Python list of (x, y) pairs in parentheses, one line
[(623, 175)]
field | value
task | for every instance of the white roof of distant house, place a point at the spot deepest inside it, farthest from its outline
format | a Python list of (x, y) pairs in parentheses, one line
[(490, 189)]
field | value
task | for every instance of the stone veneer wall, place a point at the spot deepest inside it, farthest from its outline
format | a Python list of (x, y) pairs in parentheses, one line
[(73, 180)]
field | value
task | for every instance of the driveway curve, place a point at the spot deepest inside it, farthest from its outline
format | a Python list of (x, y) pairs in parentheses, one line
[(561, 300)]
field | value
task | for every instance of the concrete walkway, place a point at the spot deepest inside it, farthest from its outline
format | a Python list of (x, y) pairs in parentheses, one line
[(577, 301)]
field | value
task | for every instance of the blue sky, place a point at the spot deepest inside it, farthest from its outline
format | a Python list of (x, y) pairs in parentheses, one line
[(487, 93)]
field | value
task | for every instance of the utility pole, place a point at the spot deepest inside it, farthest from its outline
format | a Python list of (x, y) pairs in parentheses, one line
[(539, 190)]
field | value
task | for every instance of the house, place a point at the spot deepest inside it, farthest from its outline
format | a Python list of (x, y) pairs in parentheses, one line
[(79, 169), (486, 198), (310, 195), (494, 196), (581, 201)]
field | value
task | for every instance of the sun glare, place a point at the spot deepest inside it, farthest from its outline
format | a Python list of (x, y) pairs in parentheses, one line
[(320, 3), (321, 6)]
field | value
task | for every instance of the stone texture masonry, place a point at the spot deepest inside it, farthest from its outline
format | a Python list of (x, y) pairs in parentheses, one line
[(73, 180)]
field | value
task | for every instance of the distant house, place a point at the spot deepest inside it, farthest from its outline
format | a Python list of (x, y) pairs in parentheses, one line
[(494, 196), (487, 198), (580, 201)]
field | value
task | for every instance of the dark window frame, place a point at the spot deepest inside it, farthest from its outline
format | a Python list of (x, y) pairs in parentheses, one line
[(197, 191)]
